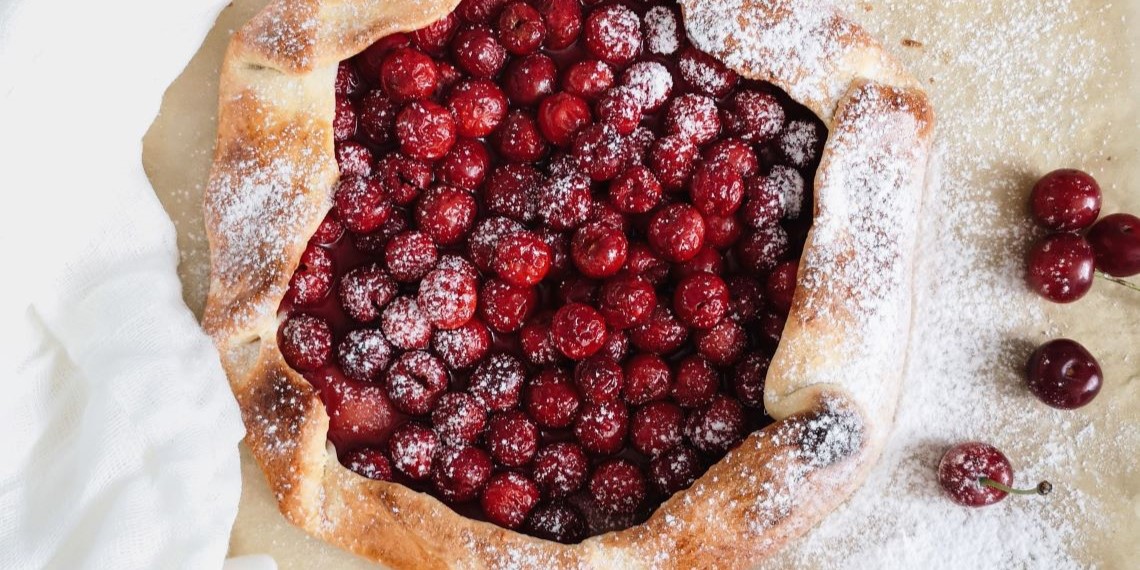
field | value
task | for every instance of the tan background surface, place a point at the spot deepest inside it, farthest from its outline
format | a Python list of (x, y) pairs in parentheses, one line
[(1105, 120)]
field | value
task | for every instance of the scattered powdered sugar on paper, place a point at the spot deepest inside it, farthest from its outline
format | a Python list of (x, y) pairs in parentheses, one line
[(1006, 78)]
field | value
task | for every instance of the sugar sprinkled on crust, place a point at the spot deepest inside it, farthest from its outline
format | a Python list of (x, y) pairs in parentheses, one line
[(1015, 82), (241, 205), (795, 50)]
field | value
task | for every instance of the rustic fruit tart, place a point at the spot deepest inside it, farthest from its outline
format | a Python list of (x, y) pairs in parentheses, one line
[(528, 263)]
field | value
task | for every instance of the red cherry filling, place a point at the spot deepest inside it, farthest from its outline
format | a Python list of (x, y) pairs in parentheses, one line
[(509, 498), (558, 522), (313, 278), (561, 116), (512, 439), (364, 354), (497, 382), (415, 382), (459, 418), (521, 28), (412, 448), (522, 259), (618, 486), (461, 473), (370, 463), (568, 261), (613, 34), (306, 342), (408, 74), (425, 129), (656, 428)]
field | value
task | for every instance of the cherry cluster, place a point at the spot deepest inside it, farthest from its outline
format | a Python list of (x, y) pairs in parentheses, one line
[(1061, 268), (560, 256)]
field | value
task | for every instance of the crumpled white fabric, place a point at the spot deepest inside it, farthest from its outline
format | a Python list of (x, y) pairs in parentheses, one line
[(118, 433)]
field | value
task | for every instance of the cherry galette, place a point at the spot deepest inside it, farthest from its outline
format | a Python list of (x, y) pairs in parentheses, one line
[(496, 276)]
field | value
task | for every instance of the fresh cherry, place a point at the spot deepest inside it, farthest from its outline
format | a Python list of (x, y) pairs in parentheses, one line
[(1063, 374), (1116, 243), (1066, 200), (1061, 268), (976, 474)]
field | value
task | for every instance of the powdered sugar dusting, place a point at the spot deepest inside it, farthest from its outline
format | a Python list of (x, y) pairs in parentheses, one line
[(662, 31), (241, 201), (1014, 80), (791, 188), (795, 49), (651, 82), (798, 142)]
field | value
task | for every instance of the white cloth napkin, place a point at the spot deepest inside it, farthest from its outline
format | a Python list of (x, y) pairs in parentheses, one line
[(118, 434)]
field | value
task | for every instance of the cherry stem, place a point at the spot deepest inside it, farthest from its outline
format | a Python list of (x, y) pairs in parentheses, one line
[(1042, 488), (1118, 281)]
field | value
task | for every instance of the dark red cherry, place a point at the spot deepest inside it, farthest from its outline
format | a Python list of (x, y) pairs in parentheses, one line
[(529, 79), (588, 78), (433, 38), (479, 106), (1116, 242), (408, 74), (1061, 268), (478, 53), (561, 116), (559, 522), (1063, 374), (613, 34), (563, 21), (479, 11), (519, 139), (426, 130), (521, 28), (1066, 200), (465, 165)]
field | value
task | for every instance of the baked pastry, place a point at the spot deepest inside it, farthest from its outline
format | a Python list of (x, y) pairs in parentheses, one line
[(462, 219)]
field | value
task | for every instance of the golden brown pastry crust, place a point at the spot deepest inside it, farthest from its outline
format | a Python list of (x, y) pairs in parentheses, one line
[(832, 386)]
